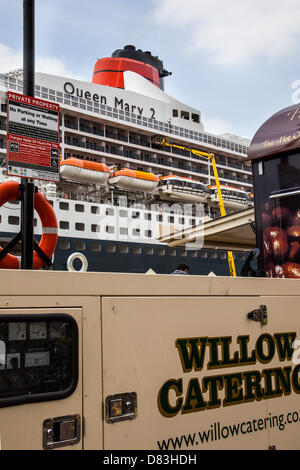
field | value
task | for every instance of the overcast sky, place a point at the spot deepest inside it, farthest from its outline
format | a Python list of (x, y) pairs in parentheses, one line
[(237, 61)]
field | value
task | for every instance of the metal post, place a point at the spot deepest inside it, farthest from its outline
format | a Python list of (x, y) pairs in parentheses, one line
[(27, 204), (29, 48)]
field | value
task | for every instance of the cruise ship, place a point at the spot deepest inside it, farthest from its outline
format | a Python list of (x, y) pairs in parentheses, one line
[(120, 190)]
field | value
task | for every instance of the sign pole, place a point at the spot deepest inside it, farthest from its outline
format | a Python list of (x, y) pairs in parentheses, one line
[(27, 199)]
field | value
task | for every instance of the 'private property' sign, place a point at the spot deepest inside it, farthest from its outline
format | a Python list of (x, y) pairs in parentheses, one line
[(32, 137)]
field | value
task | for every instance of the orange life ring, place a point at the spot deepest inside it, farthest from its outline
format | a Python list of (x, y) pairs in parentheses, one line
[(9, 191)]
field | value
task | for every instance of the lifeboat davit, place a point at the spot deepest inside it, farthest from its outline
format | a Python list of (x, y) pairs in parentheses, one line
[(84, 171), (134, 180), (178, 188)]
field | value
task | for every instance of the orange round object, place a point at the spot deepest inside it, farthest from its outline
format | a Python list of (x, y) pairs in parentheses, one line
[(9, 191)]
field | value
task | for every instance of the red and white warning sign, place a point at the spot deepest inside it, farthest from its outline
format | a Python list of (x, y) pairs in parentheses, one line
[(32, 137)]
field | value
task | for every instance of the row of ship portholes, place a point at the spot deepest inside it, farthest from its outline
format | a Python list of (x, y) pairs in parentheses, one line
[(124, 213), (15, 220), (109, 229), (147, 250), (80, 227)]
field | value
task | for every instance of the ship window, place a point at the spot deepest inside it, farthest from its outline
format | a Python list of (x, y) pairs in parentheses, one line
[(95, 228), (95, 209), (135, 215), (95, 246), (214, 255), (148, 217), (137, 250), (182, 254), (109, 211), (223, 255), (181, 220), (111, 248), (193, 254), (148, 250), (124, 249), (185, 115), (192, 221), (79, 226), (175, 112), (110, 229), (195, 118), (159, 218), (80, 246), (64, 225), (148, 233), (50, 202), (64, 244), (203, 254), (13, 220), (79, 207), (172, 252), (64, 206), (136, 232), (123, 231), (34, 222), (123, 213), (171, 219), (161, 251)]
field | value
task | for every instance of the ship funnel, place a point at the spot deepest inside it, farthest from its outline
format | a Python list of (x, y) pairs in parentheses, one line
[(109, 70)]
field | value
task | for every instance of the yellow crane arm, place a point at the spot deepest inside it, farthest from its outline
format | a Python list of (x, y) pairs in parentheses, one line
[(209, 156)]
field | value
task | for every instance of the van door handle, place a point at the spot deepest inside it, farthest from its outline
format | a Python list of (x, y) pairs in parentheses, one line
[(260, 314)]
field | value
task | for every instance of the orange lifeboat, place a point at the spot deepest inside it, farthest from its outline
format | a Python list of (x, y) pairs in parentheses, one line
[(233, 198), (134, 180), (84, 171)]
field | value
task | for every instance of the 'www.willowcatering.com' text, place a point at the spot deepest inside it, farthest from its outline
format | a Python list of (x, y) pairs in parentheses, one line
[(218, 431)]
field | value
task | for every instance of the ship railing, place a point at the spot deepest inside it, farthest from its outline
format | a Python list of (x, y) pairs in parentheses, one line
[(123, 138), (91, 130), (129, 154), (242, 199), (186, 189), (111, 135), (97, 131), (99, 148), (132, 140), (70, 125)]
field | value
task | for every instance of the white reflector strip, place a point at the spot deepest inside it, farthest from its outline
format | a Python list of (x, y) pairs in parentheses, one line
[(50, 230)]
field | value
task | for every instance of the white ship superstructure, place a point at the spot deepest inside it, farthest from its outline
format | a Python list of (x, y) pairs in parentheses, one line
[(114, 127)]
